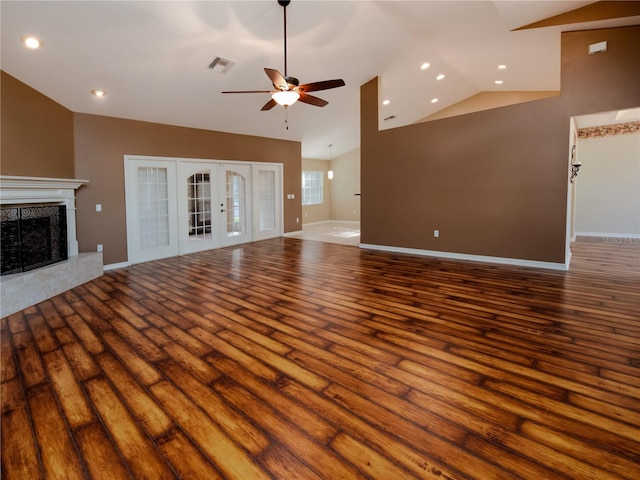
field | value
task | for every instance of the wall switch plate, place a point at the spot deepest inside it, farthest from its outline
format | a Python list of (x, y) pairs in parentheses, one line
[(436, 233), (597, 47), (99, 248), (98, 207)]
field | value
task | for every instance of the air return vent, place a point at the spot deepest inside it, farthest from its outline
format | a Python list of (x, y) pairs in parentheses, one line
[(220, 65)]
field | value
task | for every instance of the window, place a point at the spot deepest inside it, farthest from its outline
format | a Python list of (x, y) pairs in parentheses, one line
[(312, 187)]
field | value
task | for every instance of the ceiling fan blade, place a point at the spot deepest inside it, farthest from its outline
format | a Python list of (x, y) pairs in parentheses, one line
[(325, 85), (269, 105), (277, 79), (311, 100), (249, 91)]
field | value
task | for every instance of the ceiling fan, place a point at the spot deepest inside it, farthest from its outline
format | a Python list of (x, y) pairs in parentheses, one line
[(287, 90)]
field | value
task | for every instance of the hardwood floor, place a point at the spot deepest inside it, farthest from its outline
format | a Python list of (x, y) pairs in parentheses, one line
[(305, 360)]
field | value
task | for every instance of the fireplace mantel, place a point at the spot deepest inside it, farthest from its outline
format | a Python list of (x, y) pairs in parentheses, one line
[(16, 190)]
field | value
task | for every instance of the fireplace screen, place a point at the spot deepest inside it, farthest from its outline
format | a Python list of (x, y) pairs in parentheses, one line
[(32, 237)]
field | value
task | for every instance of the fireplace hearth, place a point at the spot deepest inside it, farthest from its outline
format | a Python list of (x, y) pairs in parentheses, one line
[(40, 257)]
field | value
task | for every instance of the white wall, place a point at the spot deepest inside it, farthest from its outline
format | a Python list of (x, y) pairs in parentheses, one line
[(608, 186)]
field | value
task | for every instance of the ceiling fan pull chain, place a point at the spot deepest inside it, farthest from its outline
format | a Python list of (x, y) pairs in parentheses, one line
[(286, 117)]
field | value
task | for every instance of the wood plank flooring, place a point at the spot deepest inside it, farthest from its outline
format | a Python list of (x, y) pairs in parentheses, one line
[(293, 359)]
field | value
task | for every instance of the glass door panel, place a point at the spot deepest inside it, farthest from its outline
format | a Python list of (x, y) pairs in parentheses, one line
[(235, 212), (151, 212), (268, 201), (196, 194)]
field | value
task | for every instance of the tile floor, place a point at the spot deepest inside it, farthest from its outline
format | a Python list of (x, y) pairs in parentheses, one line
[(344, 233)]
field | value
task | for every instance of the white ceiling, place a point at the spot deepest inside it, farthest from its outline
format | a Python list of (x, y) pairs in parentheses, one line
[(152, 56)]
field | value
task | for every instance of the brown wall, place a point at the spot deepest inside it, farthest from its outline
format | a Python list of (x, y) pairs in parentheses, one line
[(494, 182), (101, 143), (37, 133)]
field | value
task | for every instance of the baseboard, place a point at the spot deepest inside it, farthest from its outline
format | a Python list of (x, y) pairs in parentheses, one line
[(474, 258), (608, 235), (113, 266)]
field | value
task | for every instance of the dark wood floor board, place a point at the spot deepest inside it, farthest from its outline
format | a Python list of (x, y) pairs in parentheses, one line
[(153, 420), (289, 359), (68, 390), (50, 314), (58, 454), (235, 425), (20, 455), (232, 460), (352, 369), (420, 464), (101, 458), (141, 455), (324, 462)]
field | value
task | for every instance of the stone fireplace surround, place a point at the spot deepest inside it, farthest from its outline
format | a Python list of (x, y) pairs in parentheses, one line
[(22, 290)]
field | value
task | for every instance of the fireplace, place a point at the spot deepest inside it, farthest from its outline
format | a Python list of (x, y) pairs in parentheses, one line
[(41, 259), (32, 237)]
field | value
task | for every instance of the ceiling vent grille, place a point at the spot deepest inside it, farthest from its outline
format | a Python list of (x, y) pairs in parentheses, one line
[(220, 65)]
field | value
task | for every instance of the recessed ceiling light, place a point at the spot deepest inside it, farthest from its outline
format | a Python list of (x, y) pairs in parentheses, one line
[(498, 82), (31, 42), (502, 67), (440, 77), (386, 102), (424, 66), (434, 100), (98, 93)]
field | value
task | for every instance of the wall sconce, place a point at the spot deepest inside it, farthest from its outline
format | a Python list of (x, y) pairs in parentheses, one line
[(575, 165)]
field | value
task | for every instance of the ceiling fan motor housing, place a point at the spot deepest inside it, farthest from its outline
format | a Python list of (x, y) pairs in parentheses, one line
[(292, 82)]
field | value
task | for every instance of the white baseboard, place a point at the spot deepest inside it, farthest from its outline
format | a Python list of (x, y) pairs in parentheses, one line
[(473, 258), (607, 235), (113, 266)]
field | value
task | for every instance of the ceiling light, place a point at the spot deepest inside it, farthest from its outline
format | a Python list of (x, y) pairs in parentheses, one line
[(386, 102), (286, 97), (498, 82), (98, 93), (434, 100), (424, 66), (502, 67), (440, 77), (31, 42)]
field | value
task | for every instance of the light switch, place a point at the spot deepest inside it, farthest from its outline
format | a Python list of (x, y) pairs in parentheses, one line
[(98, 207)]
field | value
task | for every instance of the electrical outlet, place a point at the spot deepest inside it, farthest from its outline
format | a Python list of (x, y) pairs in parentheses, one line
[(99, 249), (436, 233), (297, 220)]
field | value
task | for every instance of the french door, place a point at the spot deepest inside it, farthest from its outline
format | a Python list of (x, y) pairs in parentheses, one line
[(177, 206), (151, 205)]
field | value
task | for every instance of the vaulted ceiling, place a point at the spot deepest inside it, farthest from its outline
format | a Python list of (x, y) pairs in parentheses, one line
[(152, 58)]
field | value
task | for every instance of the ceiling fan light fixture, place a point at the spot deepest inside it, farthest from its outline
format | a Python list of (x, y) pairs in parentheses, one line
[(285, 97)]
